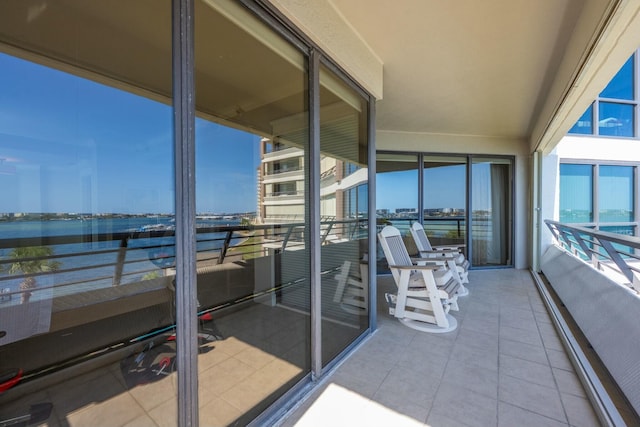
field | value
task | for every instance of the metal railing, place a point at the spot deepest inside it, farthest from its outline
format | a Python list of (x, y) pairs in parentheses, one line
[(608, 252), (90, 261)]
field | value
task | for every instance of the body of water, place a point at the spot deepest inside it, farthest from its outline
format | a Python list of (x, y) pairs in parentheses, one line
[(91, 265)]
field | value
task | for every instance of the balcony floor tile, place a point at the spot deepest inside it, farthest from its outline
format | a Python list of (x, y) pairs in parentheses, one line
[(509, 371)]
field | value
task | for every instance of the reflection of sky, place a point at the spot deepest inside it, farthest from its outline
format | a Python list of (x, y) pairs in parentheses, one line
[(68, 144), (615, 187), (444, 187)]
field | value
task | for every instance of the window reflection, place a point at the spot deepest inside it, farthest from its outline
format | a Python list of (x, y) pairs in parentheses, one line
[(615, 119), (621, 86), (343, 210), (445, 199), (396, 197), (251, 198), (584, 125), (576, 193), (615, 194), (86, 215)]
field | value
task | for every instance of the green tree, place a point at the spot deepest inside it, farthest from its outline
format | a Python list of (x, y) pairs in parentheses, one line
[(29, 261)]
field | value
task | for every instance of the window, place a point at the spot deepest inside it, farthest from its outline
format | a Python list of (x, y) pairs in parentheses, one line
[(615, 107), (576, 193), (584, 125), (615, 189), (615, 119), (438, 190), (621, 86), (96, 262), (600, 196)]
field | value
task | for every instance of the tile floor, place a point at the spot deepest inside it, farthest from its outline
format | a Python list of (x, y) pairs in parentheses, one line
[(504, 366)]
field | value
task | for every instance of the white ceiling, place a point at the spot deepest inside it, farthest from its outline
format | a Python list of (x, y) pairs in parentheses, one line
[(464, 67)]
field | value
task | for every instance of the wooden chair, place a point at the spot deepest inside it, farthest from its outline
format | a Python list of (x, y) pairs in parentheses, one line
[(426, 291), (451, 254)]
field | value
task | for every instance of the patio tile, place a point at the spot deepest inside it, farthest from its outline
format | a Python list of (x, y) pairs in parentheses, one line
[(218, 412), (526, 336), (542, 317), (466, 355), (116, 411), (523, 351), (142, 421), (510, 416), (551, 340), (423, 362), (568, 383), (558, 359), (479, 380), (404, 385), (478, 340), (579, 411), (532, 397), (463, 406), (526, 370)]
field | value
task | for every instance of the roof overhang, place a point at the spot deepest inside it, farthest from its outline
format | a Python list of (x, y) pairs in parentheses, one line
[(520, 71)]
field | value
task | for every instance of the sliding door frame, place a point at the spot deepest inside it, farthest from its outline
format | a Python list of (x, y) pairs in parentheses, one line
[(183, 22), (468, 158)]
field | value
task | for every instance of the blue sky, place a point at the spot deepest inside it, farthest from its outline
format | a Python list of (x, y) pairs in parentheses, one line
[(72, 145)]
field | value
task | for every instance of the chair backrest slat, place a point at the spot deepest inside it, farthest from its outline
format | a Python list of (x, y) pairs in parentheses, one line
[(394, 248), (420, 237)]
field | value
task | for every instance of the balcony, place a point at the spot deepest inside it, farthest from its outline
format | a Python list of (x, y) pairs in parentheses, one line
[(284, 176), (505, 365), (282, 154)]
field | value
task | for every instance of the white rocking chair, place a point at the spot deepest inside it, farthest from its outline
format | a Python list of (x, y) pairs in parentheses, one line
[(451, 254), (352, 291), (426, 291)]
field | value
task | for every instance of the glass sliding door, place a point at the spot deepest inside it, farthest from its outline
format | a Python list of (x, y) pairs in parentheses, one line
[(252, 229), (445, 199), (343, 213), (397, 197), (86, 213), (491, 211)]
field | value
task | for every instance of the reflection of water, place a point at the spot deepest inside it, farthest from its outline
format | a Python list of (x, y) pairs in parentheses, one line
[(94, 263)]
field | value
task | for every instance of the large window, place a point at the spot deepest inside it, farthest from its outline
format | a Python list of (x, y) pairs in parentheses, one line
[(464, 200), (599, 195), (122, 209), (576, 193), (343, 212), (87, 208), (615, 110), (445, 199)]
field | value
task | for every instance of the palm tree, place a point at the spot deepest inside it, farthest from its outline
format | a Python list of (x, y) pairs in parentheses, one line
[(28, 261)]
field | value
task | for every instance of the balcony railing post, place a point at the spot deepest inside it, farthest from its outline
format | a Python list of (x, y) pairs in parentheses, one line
[(617, 259), (122, 254), (586, 243), (580, 241), (225, 246)]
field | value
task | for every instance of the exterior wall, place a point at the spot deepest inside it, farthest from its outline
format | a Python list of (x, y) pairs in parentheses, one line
[(465, 144), (600, 148)]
